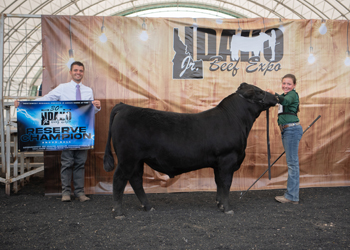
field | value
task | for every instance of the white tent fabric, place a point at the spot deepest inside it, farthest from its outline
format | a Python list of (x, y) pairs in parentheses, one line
[(22, 66)]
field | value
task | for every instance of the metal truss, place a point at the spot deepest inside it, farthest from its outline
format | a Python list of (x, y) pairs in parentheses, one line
[(22, 64)]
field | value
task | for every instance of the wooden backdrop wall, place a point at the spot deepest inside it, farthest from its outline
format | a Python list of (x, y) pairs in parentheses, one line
[(140, 73)]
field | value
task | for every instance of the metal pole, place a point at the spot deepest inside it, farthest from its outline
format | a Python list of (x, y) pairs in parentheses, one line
[(276, 160), (23, 15), (8, 150), (2, 25)]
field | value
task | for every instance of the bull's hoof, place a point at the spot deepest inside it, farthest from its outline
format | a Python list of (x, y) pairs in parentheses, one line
[(120, 217), (152, 209), (229, 212), (148, 208), (220, 206)]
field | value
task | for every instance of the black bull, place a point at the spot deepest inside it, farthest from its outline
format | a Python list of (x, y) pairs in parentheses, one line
[(175, 143)]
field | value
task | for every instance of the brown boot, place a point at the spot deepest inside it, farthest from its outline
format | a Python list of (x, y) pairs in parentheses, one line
[(65, 198), (83, 198), (283, 199)]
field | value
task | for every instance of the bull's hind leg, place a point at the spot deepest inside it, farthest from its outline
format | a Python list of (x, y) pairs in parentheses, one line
[(119, 183), (136, 184)]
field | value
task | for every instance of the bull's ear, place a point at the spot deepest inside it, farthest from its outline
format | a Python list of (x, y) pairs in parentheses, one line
[(243, 84), (248, 93)]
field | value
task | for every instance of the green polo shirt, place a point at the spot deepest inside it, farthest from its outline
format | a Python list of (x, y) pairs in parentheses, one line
[(290, 103)]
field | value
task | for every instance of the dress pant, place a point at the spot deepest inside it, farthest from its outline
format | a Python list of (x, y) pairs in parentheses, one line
[(72, 162)]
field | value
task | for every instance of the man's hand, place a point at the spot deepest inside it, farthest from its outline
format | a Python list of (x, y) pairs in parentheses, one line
[(16, 104), (97, 104)]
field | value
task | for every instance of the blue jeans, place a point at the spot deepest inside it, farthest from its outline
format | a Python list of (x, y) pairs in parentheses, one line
[(290, 138)]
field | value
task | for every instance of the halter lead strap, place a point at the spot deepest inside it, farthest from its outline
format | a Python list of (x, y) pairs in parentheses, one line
[(267, 130), (268, 143)]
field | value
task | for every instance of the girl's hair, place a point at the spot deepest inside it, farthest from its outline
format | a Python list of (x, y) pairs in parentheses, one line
[(291, 76)]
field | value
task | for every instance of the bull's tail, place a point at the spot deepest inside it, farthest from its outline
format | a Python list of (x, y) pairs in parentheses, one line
[(108, 160)]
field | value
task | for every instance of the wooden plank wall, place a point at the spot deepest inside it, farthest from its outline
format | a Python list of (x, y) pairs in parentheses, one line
[(127, 69)]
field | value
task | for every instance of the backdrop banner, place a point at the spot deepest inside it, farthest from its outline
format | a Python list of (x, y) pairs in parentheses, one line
[(189, 65), (47, 125)]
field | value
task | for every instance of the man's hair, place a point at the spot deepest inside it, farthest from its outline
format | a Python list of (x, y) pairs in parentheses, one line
[(78, 64)]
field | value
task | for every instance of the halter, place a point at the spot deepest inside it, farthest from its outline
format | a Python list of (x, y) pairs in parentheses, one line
[(262, 101)]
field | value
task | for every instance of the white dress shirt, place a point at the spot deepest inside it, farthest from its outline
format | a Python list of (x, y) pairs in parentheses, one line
[(66, 92)]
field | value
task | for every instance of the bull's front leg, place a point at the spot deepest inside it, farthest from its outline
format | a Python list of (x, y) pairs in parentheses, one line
[(219, 190), (223, 179), (225, 199), (118, 192), (222, 196)]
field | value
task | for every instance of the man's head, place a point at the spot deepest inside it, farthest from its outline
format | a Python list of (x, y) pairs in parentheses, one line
[(78, 64), (77, 71)]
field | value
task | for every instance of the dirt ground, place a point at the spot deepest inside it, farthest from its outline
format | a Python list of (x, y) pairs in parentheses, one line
[(31, 220)]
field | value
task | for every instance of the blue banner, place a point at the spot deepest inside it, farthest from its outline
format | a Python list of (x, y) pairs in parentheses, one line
[(59, 125)]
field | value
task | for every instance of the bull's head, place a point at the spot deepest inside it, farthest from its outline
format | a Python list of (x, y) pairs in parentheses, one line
[(256, 95)]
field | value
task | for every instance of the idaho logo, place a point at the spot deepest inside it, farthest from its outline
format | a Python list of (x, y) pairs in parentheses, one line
[(251, 46), (184, 67)]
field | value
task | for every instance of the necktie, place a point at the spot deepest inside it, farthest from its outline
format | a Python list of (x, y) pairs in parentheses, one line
[(77, 93)]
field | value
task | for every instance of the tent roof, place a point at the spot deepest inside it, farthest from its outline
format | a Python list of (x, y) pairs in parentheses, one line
[(22, 36)]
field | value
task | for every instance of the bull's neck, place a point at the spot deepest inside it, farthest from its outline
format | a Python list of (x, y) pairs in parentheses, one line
[(240, 109)]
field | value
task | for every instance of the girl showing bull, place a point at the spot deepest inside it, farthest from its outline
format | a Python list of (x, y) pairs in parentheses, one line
[(291, 132)]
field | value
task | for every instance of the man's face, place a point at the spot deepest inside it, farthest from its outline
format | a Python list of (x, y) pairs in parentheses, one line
[(77, 73)]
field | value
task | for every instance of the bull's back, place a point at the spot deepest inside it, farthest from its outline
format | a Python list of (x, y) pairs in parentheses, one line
[(153, 127), (172, 142)]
